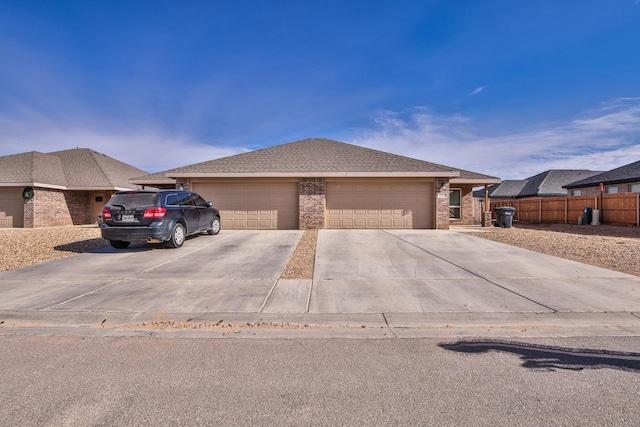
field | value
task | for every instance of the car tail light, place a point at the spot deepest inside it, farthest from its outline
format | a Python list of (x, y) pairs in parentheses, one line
[(106, 214), (155, 213)]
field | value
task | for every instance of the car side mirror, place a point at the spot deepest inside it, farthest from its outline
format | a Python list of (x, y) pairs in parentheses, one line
[(209, 204)]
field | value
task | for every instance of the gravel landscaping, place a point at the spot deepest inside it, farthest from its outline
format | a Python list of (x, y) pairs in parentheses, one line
[(21, 247), (301, 264), (615, 248)]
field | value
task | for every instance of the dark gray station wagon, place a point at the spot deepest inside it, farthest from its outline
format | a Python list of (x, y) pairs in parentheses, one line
[(162, 216)]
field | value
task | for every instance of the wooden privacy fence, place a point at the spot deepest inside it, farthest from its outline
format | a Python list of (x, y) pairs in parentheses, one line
[(615, 209)]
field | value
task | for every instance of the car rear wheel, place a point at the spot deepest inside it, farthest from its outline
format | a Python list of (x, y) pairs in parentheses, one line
[(215, 226), (118, 244), (177, 236)]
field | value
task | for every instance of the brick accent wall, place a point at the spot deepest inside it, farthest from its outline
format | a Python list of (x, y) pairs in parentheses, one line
[(79, 205), (312, 203), (442, 204), (49, 208), (55, 208)]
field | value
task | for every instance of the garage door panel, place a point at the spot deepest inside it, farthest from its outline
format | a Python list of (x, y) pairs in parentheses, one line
[(253, 205), (380, 205)]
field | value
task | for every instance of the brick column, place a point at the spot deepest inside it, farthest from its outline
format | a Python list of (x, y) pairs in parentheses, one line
[(29, 211), (442, 204), (486, 219), (312, 202)]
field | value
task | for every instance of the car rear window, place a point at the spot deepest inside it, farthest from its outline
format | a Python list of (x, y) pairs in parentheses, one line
[(133, 200)]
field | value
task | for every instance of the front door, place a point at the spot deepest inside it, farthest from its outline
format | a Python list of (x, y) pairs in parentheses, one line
[(98, 200)]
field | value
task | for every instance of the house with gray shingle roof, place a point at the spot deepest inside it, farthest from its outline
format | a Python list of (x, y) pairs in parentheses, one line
[(546, 184), (320, 183), (60, 188), (625, 179)]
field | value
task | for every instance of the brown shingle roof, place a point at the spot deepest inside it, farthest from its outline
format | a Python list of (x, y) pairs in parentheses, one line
[(315, 157), (31, 168), (75, 169)]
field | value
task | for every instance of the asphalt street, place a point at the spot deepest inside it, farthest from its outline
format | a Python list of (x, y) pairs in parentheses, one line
[(81, 381)]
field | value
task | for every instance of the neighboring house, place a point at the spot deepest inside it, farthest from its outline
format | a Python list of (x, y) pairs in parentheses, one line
[(625, 179), (60, 188), (508, 189), (546, 184), (320, 183), (480, 193)]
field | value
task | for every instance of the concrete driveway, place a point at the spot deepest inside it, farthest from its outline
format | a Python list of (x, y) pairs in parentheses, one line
[(374, 278), (399, 271), (231, 272)]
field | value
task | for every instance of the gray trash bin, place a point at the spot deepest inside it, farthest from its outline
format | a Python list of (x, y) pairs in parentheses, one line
[(587, 216), (504, 216)]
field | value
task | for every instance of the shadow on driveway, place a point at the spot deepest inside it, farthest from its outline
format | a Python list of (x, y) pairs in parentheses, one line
[(552, 358), (83, 246)]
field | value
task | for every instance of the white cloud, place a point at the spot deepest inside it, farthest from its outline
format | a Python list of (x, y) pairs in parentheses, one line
[(602, 139), (478, 90), (148, 149)]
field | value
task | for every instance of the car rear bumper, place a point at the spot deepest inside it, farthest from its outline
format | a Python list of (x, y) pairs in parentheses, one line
[(156, 231)]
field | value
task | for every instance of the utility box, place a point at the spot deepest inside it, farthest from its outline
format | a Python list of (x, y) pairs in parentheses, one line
[(504, 216)]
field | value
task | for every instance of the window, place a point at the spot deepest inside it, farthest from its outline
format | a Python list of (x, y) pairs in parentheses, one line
[(172, 199), (454, 204), (133, 200), (200, 201), (576, 192), (634, 188), (612, 190)]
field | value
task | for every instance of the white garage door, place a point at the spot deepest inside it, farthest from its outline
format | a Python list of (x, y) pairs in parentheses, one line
[(11, 208), (380, 204), (253, 206)]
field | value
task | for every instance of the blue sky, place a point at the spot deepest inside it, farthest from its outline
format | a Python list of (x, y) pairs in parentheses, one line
[(506, 88)]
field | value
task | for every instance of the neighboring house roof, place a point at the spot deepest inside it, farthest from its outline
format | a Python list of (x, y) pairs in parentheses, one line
[(545, 184), (29, 168), (626, 173), (549, 183), (76, 169), (509, 189), (480, 192), (318, 157)]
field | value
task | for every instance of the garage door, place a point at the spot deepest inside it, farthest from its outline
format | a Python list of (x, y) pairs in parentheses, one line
[(11, 208), (380, 204), (253, 206)]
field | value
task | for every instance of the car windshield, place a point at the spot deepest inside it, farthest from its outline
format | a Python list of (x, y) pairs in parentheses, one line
[(133, 200)]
